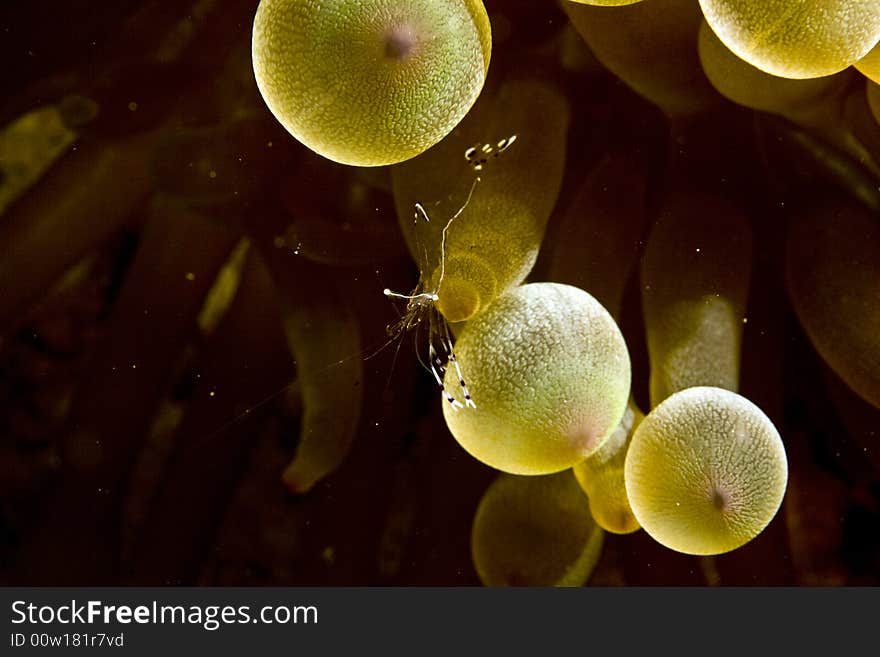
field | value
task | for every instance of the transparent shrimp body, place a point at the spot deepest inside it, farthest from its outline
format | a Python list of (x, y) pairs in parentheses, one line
[(421, 312)]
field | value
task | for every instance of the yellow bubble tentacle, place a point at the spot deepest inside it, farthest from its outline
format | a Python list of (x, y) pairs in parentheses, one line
[(535, 531), (373, 83), (706, 471), (549, 372)]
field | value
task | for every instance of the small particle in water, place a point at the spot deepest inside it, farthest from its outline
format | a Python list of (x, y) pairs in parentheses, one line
[(278, 242), (297, 248), (329, 555), (212, 174), (133, 106), (212, 393), (134, 366), (190, 276)]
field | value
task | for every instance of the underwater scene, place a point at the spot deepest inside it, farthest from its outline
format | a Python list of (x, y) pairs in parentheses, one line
[(440, 292)]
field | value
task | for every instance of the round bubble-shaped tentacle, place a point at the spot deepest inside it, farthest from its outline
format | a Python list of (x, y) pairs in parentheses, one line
[(484, 195), (695, 280), (651, 46), (706, 471), (549, 372), (601, 476), (535, 531), (796, 38), (372, 83), (833, 273)]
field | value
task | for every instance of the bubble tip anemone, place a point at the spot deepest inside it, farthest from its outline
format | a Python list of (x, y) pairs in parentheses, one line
[(549, 371), (706, 471), (404, 74), (535, 531)]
